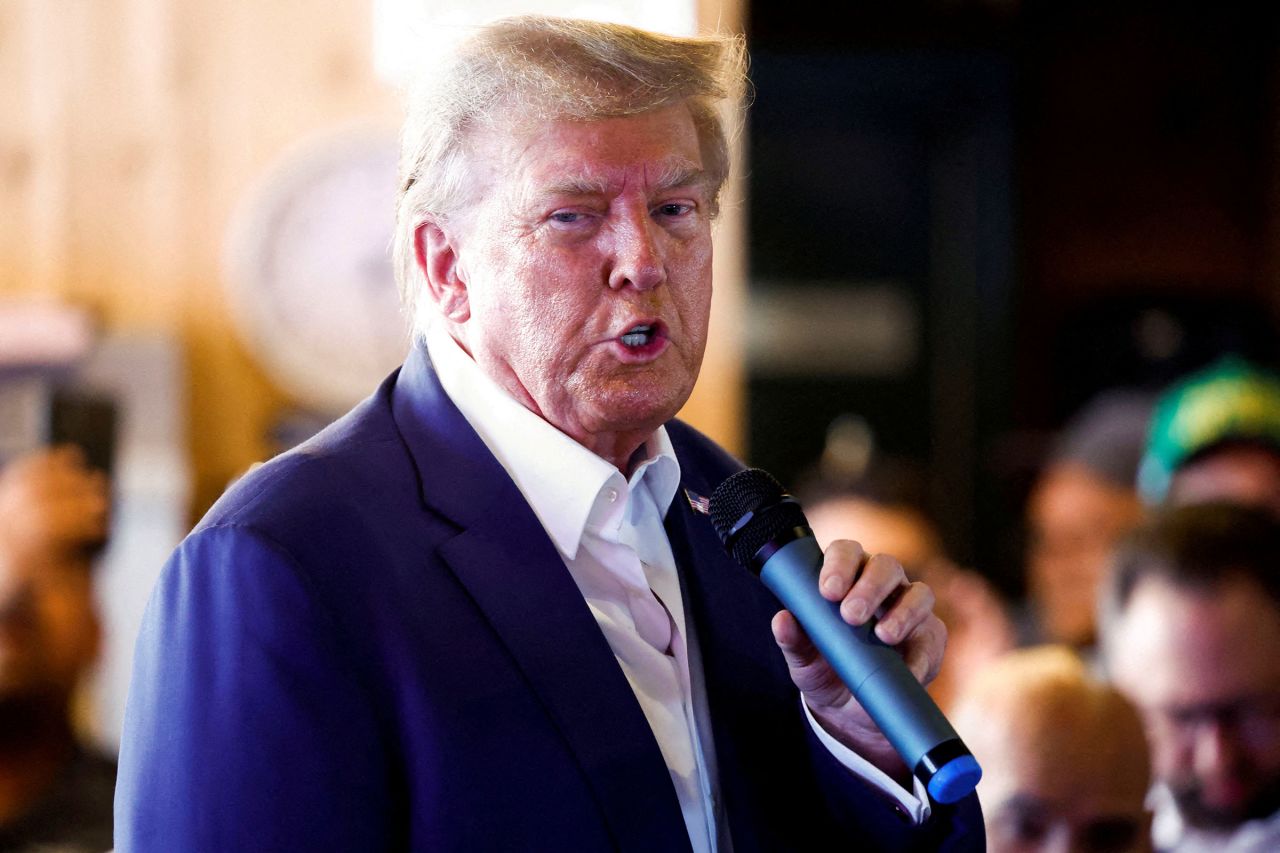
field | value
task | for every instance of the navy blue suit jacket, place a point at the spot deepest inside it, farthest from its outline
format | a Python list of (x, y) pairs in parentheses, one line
[(371, 644)]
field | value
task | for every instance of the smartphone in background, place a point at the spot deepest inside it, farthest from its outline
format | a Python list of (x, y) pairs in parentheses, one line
[(87, 420)]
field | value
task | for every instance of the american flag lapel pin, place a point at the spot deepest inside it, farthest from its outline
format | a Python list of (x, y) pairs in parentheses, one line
[(698, 502)]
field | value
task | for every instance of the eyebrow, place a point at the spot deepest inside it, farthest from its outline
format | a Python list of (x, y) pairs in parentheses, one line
[(672, 175)]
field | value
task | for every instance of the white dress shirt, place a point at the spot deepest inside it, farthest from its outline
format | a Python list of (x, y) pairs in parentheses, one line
[(608, 530)]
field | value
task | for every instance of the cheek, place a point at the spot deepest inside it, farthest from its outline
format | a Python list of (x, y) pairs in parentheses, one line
[(699, 320), (691, 282), (542, 332), (544, 290)]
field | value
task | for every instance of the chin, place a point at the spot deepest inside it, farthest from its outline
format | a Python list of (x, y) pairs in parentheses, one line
[(635, 419), (643, 405)]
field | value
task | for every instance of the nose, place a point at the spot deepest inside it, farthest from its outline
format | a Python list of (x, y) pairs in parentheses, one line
[(637, 262)]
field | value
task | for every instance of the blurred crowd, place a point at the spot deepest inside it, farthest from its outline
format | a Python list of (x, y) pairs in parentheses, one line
[(1131, 702)]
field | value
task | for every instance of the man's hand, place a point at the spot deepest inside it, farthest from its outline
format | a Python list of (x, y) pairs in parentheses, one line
[(52, 506), (866, 586)]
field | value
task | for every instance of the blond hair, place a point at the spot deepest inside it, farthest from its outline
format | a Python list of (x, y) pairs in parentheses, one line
[(1045, 704), (539, 68)]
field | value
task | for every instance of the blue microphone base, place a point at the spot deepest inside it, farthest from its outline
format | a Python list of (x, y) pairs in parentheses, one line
[(949, 772)]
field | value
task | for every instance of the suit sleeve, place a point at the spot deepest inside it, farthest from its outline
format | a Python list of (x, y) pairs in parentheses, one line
[(246, 727), (868, 814)]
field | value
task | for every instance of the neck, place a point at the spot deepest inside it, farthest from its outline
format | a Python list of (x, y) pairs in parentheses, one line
[(36, 741), (624, 451)]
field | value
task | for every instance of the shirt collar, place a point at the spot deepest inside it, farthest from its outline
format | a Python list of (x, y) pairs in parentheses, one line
[(562, 480)]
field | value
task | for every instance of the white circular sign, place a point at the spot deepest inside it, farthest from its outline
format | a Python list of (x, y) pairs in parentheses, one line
[(309, 269)]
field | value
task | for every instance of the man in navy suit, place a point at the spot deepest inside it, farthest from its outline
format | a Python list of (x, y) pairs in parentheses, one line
[(486, 610)]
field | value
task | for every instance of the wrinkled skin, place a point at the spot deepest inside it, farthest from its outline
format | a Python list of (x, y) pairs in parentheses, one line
[(581, 231)]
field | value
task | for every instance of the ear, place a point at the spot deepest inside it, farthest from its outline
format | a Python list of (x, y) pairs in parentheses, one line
[(437, 258)]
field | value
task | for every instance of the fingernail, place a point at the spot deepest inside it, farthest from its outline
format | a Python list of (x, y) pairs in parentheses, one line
[(831, 584), (888, 631), (856, 611)]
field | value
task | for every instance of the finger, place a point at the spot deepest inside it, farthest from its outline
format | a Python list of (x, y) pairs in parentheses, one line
[(908, 609), (841, 564), (881, 577), (797, 649), (924, 649), (809, 670)]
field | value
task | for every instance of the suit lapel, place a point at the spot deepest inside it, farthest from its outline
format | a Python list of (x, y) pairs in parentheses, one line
[(505, 560), (742, 667), (703, 585)]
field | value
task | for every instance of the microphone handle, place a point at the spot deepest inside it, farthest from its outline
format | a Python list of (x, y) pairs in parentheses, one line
[(875, 673)]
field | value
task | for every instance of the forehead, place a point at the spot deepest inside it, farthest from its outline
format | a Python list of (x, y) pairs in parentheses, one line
[(1069, 495), (1177, 646), (654, 149)]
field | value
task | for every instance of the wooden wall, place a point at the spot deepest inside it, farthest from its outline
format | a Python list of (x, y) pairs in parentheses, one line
[(129, 131)]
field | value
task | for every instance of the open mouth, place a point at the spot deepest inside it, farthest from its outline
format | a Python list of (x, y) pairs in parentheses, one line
[(639, 336)]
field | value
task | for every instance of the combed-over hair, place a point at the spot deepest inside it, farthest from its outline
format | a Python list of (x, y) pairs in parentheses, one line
[(539, 68)]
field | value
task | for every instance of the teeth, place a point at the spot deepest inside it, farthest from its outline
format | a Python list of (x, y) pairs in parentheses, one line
[(638, 336)]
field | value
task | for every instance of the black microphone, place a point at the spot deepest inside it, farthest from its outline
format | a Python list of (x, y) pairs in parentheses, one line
[(764, 529)]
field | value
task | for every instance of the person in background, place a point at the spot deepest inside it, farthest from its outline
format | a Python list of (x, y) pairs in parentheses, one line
[(1063, 755), (55, 793), (1215, 436), (1082, 503), (1191, 634)]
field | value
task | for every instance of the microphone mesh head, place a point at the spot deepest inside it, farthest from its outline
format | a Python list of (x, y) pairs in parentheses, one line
[(740, 494), (757, 492)]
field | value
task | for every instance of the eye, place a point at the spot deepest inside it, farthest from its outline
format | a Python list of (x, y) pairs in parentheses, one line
[(674, 209), (566, 217)]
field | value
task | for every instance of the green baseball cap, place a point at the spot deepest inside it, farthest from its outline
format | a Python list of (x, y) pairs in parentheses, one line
[(1228, 401)]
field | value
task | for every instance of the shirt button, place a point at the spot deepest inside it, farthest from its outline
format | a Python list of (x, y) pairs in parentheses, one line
[(901, 813), (613, 495)]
